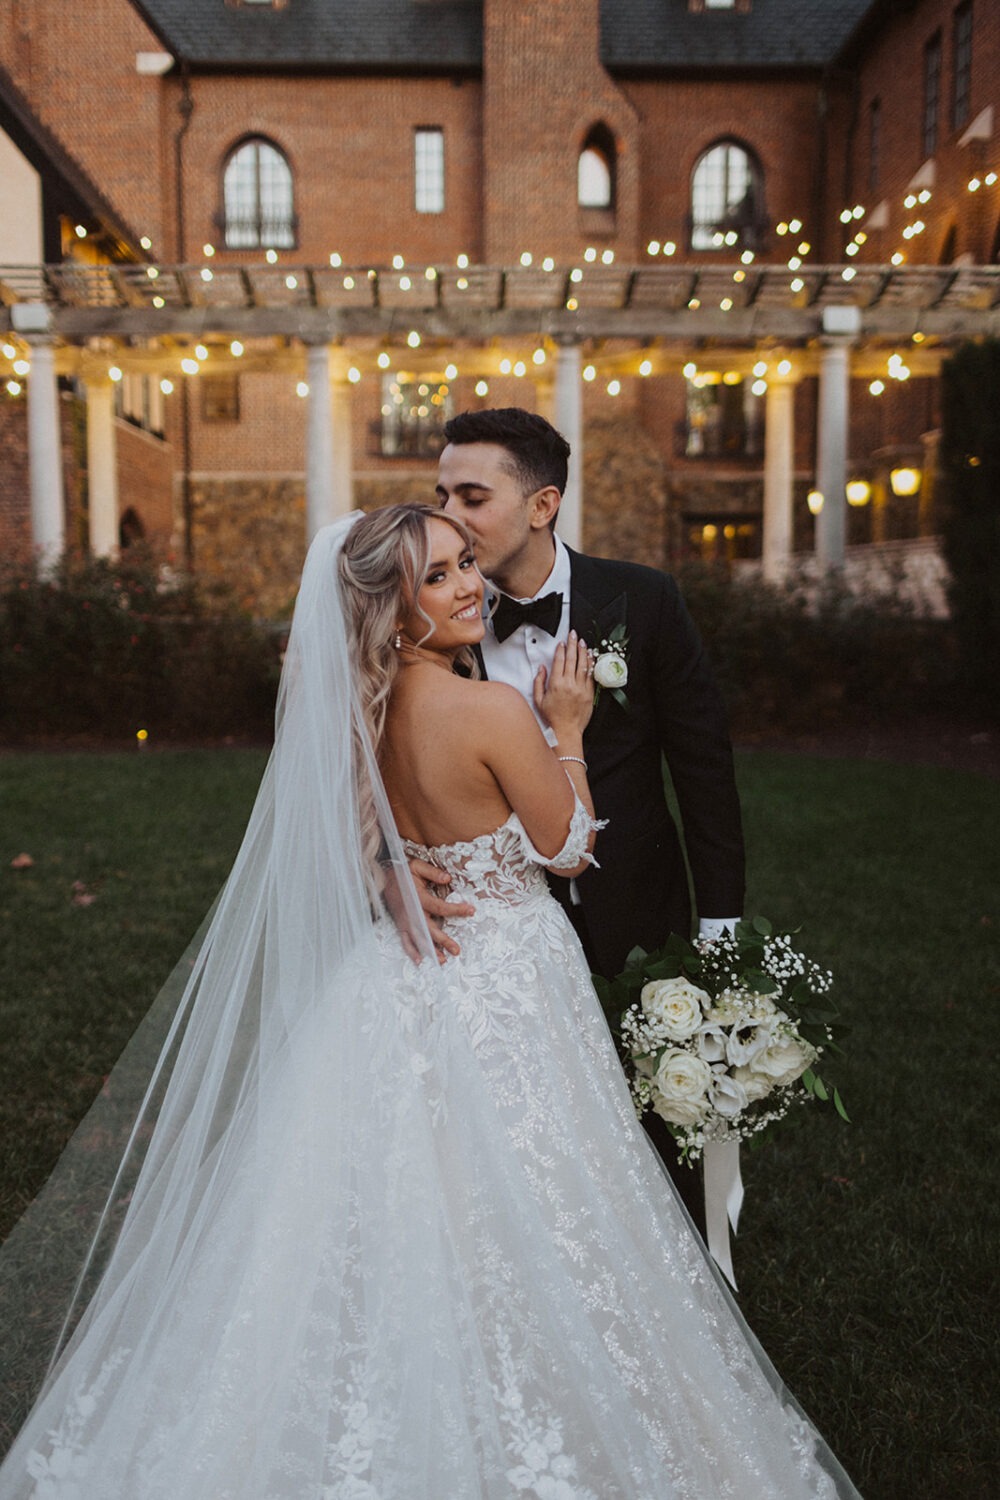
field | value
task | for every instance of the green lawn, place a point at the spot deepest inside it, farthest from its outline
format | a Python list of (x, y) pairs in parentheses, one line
[(867, 1253)]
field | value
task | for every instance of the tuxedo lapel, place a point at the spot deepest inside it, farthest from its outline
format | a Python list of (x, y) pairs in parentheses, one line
[(593, 614)]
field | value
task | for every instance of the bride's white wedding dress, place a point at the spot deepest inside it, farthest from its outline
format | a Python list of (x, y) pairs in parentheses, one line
[(443, 1264)]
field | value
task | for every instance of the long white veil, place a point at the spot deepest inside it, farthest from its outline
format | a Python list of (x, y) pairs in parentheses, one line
[(155, 1156), (347, 1227)]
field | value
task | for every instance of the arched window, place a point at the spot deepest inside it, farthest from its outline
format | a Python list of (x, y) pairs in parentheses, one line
[(726, 199), (258, 205), (595, 173)]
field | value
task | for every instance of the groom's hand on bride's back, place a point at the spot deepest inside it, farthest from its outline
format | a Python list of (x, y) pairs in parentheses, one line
[(432, 891)]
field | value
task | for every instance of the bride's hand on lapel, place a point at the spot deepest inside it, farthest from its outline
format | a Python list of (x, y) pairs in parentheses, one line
[(565, 698)]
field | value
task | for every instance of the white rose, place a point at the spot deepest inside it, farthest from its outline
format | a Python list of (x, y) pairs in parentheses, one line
[(610, 670), (783, 1060), (682, 1081), (729, 1097), (753, 1086), (681, 1111), (676, 1004)]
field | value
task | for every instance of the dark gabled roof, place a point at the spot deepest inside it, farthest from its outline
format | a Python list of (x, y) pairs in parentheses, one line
[(362, 35), (76, 193), (655, 36), (637, 36)]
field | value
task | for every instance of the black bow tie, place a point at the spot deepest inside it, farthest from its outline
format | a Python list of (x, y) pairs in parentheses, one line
[(546, 613)]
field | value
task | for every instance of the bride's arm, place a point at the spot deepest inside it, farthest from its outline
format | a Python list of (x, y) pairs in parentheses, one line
[(542, 783)]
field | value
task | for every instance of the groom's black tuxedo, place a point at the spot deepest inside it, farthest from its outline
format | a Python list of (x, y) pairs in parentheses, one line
[(640, 893)]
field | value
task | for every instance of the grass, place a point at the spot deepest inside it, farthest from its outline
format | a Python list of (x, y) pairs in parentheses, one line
[(866, 1255)]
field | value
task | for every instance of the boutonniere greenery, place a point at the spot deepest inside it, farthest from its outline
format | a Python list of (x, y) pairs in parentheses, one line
[(611, 666)]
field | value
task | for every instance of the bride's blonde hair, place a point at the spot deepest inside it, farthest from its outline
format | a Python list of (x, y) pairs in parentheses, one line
[(382, 567)]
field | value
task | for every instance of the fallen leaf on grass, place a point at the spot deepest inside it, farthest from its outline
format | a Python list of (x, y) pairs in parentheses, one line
[(81, 896), (21, 862)]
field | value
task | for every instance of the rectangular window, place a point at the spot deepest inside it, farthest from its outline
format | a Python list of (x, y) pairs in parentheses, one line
[(220, 398), (874, 144), (428, 169), (961, 90), (932, 93)]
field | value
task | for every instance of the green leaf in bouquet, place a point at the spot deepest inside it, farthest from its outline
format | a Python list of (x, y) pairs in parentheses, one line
[(762, 926), (636, 958), (808, 1081), (619, 697), (819, 1088), (838, 1105), (758, 981)]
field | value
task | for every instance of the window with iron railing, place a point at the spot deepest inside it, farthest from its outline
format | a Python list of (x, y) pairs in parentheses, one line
[(726, 199), (724, 420), (413, 416), (258, 198)]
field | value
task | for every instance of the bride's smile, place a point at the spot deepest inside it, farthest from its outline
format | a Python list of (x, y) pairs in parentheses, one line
[(447, 612)]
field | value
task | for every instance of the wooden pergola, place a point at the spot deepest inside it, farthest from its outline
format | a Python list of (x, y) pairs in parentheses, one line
[(334, 326)]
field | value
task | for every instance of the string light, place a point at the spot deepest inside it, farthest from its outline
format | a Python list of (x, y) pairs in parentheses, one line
[(335, 259), (653, 248), (190, 366), (200, 351), (167, 386), (115, 374), (158, 302), (271, 256), (236, 349), (302, 389), (877, 387), (526, 257), (398, 262), (614, 387), (590, 253), (461, 261), (146, 243), (22, 367), (13, 388), (208, 251), (354, 374), (348, 283), (206, 274), (520, 368), (505, 367), (539, 356), (482, 389), (413, 339), (589, 372), (383, 361), (548, 264), (646, 368)]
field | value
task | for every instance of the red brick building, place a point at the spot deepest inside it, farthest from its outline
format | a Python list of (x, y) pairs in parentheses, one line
[(673, 204)]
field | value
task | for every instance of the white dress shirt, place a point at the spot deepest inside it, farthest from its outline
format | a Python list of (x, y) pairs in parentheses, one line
[(517, 659)]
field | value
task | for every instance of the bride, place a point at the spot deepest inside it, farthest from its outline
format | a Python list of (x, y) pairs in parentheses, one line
[(386, 1228)]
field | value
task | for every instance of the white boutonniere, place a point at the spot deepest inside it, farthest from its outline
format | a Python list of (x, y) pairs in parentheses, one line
[(611, 666)]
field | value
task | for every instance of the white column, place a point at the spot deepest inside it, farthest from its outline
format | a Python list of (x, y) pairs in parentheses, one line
[(48, 517), (342, 491), (319, 441), (569, 421), (840, 326), (779, 468), (102, 469)]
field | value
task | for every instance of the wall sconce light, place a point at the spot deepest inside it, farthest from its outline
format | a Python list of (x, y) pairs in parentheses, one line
[(858, 491), (905, 481), (814, 500)]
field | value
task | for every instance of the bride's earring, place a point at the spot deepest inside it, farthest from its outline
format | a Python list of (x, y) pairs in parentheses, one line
[(398, 642)]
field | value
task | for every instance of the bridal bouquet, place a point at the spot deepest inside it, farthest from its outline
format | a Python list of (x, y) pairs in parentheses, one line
[(721, 1038)]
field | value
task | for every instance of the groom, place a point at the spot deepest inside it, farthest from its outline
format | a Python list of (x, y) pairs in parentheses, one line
[(503, 474)]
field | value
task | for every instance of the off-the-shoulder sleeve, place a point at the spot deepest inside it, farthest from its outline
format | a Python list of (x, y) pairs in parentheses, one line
[(581, 824)]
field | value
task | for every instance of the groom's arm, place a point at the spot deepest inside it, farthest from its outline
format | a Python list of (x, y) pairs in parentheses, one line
[(693, 728)]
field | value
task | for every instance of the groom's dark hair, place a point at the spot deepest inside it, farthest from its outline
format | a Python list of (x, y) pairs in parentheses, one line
[(539, 454)]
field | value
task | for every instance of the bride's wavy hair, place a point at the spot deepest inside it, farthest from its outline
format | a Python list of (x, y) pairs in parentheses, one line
[(382, 567)]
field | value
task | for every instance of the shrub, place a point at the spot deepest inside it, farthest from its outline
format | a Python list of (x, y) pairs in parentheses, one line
[(969, 488), (105, 648), (785, 663)]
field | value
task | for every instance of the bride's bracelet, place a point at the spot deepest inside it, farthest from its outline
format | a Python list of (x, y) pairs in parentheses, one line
[(577, 760)]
